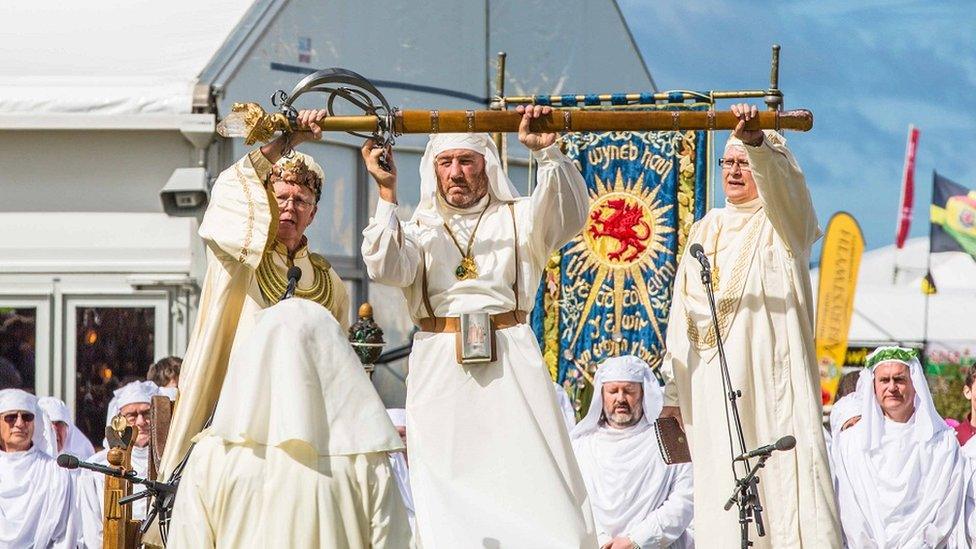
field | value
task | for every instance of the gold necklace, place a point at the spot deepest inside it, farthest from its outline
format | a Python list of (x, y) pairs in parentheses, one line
[(272, 282), (467, 269)]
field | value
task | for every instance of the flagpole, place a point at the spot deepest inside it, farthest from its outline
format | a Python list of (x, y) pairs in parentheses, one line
[(928, 278)]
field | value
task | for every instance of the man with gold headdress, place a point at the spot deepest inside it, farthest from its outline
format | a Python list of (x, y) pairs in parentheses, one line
[(759, 249), (491, 460), (254, 229)]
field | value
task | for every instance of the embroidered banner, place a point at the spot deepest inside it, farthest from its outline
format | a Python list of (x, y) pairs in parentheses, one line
[(608, 291)]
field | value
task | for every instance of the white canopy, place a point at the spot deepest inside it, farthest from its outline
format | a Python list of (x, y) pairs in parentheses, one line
[(894, 311), (109, 57)]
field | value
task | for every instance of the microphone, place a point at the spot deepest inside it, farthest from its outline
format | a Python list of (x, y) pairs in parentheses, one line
[(68, 461), (294, 274), (783, 444), (699, 253)]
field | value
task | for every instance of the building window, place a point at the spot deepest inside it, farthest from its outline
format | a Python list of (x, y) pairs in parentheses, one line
[(114, 346), (18, 364)]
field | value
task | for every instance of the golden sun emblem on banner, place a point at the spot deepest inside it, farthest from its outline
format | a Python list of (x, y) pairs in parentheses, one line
[(623, 237)]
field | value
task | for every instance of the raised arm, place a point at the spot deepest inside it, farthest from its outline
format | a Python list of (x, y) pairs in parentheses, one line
[(780, 182), (559, 203), (391, 257), (241, 219)]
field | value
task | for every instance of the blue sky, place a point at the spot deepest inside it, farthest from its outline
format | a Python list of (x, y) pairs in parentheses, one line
[(867, 69)]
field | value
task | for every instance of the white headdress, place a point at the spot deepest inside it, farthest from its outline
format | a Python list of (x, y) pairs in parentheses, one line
[(926, 420), (622, 368), (135, 392), (499, 186), (77, 443), (12, 400), (297, 383)]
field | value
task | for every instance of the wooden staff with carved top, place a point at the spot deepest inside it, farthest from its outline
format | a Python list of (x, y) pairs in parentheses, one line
[(119, 531)]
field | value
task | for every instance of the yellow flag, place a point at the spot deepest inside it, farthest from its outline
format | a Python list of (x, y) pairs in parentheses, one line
[(840, 260), (928, 284)]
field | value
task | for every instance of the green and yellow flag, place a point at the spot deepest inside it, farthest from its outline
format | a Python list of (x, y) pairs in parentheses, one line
[(953, 215)]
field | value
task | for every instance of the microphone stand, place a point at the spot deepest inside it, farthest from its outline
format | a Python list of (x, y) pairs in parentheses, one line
[(746, 492)]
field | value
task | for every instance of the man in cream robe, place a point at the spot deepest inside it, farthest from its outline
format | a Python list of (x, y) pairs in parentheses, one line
[(36, 496), (133, 402), (296, 456), (898, 470), (491, 463), (760, 243), (638, 500), (254, 230)]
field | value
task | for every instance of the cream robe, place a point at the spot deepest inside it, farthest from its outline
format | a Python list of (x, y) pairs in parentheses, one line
[(347, 502), (239, 225), (296, 456), (491, 464), (762, 250)]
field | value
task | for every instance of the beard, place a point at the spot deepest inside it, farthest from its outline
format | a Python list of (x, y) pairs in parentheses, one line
[(475, 191), (623, 418)]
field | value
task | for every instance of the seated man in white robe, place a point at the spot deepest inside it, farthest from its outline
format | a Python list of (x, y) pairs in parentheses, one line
[(133, 402), (36, 496), (898, 471), (69, 438), (296, 455), (398, 461), (637, 499)]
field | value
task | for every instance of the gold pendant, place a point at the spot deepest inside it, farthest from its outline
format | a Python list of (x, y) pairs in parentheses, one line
[(715, 279), (467, 269)]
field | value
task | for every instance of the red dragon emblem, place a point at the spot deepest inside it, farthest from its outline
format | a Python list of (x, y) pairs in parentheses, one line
[(621, 225)]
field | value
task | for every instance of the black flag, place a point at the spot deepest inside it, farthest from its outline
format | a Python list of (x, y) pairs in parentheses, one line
[(953, 216)]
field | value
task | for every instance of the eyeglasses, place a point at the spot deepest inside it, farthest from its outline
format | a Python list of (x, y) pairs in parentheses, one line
[(132, 416), (729, 163), (11, 418), (298, 203)]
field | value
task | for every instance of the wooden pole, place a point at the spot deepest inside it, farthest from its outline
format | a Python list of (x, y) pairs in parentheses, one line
[(250, 121), (119, 531), (568, 120)]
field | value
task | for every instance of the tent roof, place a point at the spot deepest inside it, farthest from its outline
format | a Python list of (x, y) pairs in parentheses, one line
[(110, 57), (888, 309)]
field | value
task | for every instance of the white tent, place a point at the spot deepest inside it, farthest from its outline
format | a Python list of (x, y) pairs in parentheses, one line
[(890, 307), (107, 57), (106, 103)]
